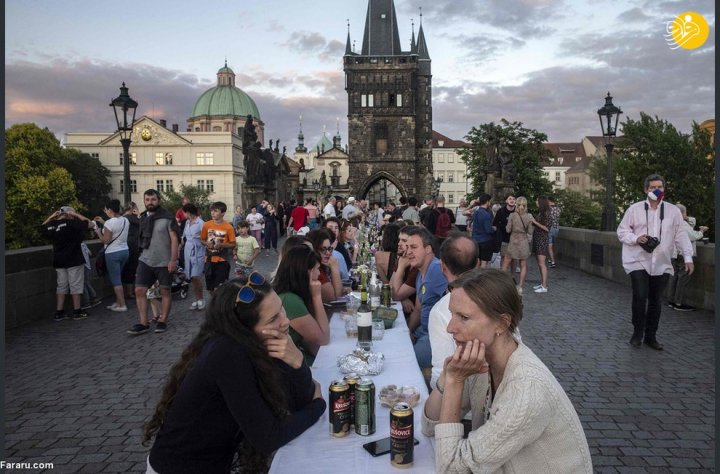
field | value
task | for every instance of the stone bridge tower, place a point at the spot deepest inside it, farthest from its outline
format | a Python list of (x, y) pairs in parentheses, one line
[(389, 110)]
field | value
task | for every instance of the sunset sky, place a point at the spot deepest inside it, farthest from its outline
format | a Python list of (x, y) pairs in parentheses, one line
[(546, 63)]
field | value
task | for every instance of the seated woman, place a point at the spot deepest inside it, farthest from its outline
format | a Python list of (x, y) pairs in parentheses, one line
[(346, 238), (241, 381), (297, 282), (331, 288), (386, 257), (522, 419)]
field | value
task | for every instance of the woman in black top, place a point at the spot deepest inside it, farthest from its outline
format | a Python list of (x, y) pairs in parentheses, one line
[(271, 228), (241, 384)]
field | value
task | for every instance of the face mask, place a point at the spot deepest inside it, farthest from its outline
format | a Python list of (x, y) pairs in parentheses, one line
[(656, 195)]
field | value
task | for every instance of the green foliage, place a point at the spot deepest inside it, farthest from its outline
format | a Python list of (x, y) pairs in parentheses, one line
[(524, 146), (686, 161), (32, 199), (172, 200), (92, 179), (578, 210), (35, 184)]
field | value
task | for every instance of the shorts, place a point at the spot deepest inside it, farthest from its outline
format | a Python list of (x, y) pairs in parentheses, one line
[(485, 250), (554, 231), (147, 276), (194, 266), (241, 269), (216, 273), (72, 279), (128, 272)]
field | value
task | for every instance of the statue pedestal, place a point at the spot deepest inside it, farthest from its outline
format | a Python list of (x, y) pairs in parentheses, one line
[(498, 188)]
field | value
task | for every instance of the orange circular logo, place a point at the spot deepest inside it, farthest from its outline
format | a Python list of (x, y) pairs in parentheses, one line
[(688, 31)]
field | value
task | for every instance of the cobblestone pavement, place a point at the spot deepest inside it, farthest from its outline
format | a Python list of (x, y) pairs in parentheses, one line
[(78, 392)]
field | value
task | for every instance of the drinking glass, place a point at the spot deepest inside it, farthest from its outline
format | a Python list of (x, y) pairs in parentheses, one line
[(378, 329), (351, 325)]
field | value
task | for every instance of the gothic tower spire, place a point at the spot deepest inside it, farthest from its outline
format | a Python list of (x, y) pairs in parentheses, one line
[(381, 35)]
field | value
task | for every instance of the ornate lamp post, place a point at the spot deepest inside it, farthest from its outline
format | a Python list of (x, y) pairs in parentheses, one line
[(436, 187), (609, 116), (124, 108)]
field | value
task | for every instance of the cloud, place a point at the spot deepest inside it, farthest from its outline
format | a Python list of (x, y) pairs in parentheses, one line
[(482, 48), (632, 16), (313, 43)]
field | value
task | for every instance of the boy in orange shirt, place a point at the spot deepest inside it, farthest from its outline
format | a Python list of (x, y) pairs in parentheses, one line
[(218, 237)]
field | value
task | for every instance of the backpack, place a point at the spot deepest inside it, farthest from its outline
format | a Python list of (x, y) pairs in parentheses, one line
[(444, 224)]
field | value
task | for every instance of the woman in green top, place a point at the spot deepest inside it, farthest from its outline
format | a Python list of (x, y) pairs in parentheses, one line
[(298, 285)]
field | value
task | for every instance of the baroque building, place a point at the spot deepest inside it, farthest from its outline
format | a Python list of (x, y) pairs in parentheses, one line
[(389, 110)]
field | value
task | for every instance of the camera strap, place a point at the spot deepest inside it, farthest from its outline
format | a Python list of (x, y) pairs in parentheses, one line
[(662, 216)]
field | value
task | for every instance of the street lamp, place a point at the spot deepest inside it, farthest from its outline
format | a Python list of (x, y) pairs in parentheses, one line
[(609, 116), (436, 187), (124, 108)]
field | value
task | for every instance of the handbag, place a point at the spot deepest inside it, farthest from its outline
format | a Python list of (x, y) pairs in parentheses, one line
[(100, 264)]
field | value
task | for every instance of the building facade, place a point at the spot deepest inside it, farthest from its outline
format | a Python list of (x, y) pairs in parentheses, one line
[(450, 169), (389, 109)]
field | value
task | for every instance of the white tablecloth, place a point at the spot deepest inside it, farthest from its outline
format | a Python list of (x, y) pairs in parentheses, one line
[(316, 451)]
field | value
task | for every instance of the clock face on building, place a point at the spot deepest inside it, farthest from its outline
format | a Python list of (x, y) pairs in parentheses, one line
[(146, 134)]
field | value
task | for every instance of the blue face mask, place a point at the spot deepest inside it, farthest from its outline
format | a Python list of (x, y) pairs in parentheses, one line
[(656, 195)]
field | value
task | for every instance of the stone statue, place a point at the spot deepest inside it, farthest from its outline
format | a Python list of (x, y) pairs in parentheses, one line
[(323, 179), (302, 164), (284, 149), (277, 145), (249, 134), (429, 180), (509, 173), (270, 144)]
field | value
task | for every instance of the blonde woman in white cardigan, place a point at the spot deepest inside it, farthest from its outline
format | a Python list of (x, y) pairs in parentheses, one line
[(522, 420)]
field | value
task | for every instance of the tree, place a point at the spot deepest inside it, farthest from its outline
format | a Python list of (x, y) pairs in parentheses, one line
[(172, 200), (523, 145), (35, 184), (686, 161), (578, 210), (92, 179)]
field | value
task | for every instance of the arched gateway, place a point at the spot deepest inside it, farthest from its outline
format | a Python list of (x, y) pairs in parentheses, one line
[(382, 187)]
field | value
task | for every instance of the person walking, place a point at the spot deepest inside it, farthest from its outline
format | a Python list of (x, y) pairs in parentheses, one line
[(255, 219), (540, 242), (271, 229), (218, 237), (482, 231), (194, 251), (650, 231), (114, 234), (554, 229), (130, 212), (520, 228)]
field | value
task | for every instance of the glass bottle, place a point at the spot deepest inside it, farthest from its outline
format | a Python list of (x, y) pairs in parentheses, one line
[(364, 321)]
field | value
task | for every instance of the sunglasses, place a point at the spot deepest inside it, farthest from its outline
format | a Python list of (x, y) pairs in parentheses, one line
[(247, 293)]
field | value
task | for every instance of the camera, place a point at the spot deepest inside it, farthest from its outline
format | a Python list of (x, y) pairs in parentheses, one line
[(650, 245)]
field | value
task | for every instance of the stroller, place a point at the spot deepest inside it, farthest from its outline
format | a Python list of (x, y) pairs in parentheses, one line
[(180, 283)]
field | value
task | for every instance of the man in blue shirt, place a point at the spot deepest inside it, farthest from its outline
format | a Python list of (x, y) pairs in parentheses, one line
[(430, 287), (482, 230)]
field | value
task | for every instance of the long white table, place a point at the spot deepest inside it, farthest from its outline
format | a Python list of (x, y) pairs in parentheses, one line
[(316, 451)]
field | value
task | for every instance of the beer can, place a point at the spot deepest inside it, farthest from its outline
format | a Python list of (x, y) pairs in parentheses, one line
[(365, 407), (339, 408), (402, 435), (385, 297), (352, 379)]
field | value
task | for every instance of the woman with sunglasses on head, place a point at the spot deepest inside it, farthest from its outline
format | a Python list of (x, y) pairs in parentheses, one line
[(298, 285), (240, 385), (330, 279), (522, 419)]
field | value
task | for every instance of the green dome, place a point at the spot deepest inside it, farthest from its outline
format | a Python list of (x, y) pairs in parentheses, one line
[(324, 143), (225, 100)]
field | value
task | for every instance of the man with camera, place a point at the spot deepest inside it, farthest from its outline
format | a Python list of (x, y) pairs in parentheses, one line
[(650, 230)]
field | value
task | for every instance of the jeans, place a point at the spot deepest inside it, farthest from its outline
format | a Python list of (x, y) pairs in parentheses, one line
[(115, 262), (678, 281), (89, 293), (646, 305), (271, 236), (423, 351)]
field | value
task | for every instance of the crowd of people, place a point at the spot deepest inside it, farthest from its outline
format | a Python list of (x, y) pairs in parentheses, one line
[(243, 387)]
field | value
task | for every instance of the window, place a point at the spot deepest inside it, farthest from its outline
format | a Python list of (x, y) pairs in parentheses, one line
[(441, 158), (205, 158), (133, 158), (441, 177), (363, 100), (210, 185), (160, 185), (371, 100), (163, 158), (451, 198), (381, 139), (169, 185), (451, 158), (133, 186), (557, 176), (95, 155), (398, 99), (217, 128), (451, 177), (201, 184)]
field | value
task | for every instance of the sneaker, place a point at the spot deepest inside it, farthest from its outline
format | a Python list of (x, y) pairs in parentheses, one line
[(517, 270), (683, 307), (542, 289), (537, 287), (118, 309), (60, 316), (114, 305), (552, 264), (671, 305), (519, 289), (79, 314), (161, 326), (201, 304), (194, 305), (138, 329), (91, 304)]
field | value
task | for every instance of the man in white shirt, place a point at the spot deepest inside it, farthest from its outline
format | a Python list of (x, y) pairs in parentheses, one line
[(329, 209), (350, 209), (458, 254), (649, 231)]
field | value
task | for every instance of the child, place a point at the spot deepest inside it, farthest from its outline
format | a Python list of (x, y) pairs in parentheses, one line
[(218, 237), (89, 297), (246, 250), (154, 298)]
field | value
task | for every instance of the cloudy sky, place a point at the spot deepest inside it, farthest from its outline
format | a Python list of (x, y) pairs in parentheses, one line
[(546, 63)]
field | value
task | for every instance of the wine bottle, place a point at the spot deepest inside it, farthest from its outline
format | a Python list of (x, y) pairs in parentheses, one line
[(375, 285), (364, 321)]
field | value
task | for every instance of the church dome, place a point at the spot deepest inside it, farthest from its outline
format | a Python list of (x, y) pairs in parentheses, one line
[(225, 99)]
